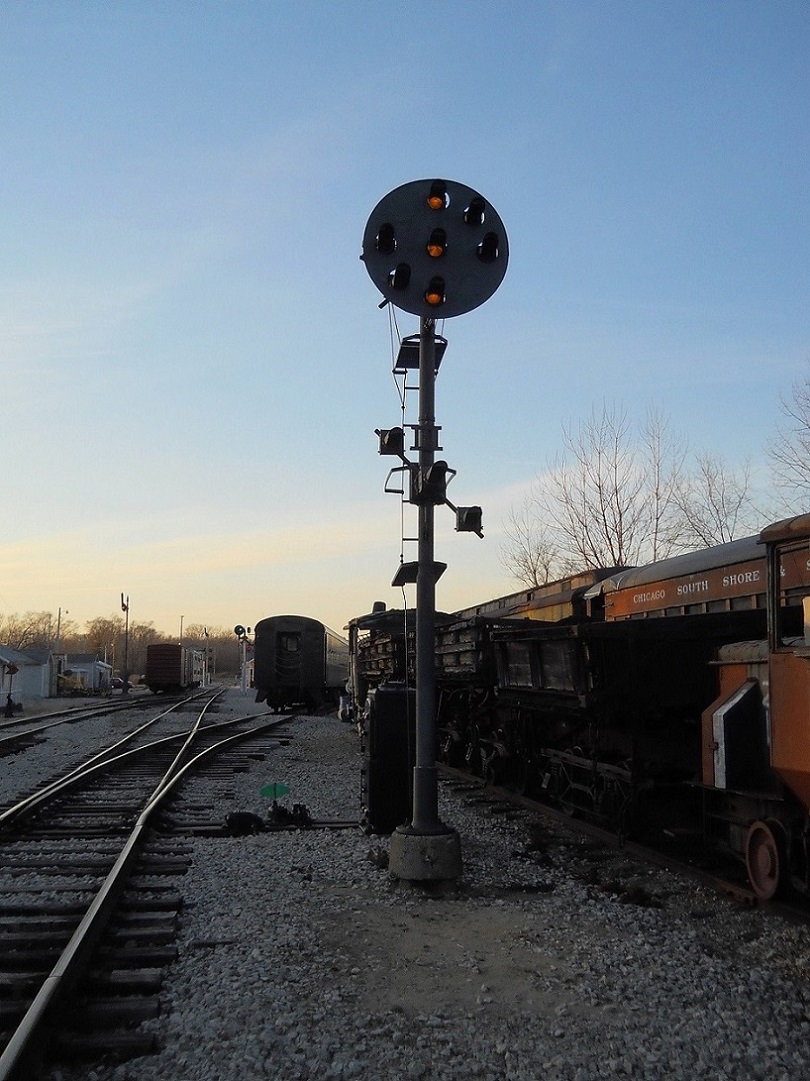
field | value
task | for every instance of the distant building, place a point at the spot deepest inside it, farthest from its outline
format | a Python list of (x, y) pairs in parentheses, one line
[(26, 675), (85, 670)]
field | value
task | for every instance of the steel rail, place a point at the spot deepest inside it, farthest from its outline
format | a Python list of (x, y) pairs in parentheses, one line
[(102, 758), (25, 1046), (75, 713), (80, 715)]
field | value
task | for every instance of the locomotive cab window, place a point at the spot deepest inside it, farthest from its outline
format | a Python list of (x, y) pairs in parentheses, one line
[(289, 643), (789, 574)]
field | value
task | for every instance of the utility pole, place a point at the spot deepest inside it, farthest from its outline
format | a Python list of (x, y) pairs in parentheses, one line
[(125, 610)]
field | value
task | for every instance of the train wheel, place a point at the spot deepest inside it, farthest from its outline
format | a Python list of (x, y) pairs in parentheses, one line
[(765, 858)]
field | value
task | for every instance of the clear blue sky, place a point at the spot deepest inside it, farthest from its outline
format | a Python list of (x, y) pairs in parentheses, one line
[(192, 360)]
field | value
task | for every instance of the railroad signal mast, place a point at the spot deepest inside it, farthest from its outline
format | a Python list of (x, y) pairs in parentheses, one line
[(243, 634), (436, 249)]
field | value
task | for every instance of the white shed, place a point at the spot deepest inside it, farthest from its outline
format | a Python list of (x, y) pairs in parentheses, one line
[(25, 675), (95, 675)]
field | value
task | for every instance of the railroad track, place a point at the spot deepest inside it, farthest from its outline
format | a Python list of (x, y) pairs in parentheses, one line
[(20, 732), (89, 891)]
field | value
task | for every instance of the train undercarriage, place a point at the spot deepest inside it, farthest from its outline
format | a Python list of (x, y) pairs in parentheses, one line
[(621, 791)]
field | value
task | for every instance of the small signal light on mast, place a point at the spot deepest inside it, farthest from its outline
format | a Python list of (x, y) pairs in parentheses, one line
[(469, 520), (392, 441), (429, 486)]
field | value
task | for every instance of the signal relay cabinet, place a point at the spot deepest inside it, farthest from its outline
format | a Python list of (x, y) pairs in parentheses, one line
[(389, 756)]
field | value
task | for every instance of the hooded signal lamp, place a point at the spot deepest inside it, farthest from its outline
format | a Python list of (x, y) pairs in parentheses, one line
[(392, 441), (435, 292), (468, 520), (399, 276), (429, 485), (474, 214), (488, 248), (386, 240), (437, 198), (437, 245)]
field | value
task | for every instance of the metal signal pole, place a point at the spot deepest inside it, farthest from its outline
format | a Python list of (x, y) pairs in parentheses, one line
[(434, 248), (425, 780)]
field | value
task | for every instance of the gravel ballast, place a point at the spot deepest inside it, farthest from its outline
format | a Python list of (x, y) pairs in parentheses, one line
[(300, 957)]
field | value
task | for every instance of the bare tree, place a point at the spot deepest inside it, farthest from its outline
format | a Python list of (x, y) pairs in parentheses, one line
[(715, 501), (789, 450), (221, 644), (620, 495), (664, 455), (140, 636), (608, 496), (529, 554), (34, 630), (105, 637)]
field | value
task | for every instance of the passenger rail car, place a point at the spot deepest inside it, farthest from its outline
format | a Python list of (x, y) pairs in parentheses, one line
[(724, 578), (298, 661), (565, 599), (172, 668), (679, 701)]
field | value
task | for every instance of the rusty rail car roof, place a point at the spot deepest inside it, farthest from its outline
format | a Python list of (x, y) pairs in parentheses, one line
[(720, 555)]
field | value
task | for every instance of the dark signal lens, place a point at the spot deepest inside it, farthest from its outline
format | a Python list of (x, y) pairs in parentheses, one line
[(474, 214), (386, 240), (400, 276), (488, 248)]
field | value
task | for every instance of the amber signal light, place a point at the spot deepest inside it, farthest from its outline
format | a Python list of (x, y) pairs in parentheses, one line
[(435, 292), (437, 245), (437, 198)]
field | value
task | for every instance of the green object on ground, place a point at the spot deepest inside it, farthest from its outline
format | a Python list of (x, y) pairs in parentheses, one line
[(275, 790)]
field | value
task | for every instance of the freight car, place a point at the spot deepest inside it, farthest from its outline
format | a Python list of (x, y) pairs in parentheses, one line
[(297, 660), (173, 668), (678, 702)]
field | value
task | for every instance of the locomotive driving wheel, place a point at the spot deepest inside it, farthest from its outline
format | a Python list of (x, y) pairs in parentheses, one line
[(765, 858)]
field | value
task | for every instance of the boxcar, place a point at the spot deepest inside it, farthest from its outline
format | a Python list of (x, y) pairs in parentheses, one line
[(298, 661), (172, 668)]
